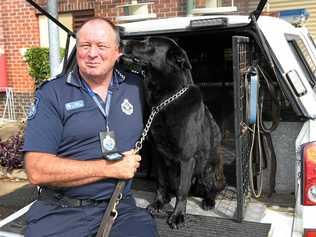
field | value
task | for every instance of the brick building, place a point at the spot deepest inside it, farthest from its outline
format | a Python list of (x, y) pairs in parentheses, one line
[(22, 27), (18, 30)]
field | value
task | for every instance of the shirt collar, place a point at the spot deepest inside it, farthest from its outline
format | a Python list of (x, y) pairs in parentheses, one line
[(117, 79), (74, 78)]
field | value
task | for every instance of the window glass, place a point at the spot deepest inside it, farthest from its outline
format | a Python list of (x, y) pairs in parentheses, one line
[(304, 58), (65, 19), (312, 40)]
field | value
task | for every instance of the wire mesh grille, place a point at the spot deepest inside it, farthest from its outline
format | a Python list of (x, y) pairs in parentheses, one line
[(242, 61)]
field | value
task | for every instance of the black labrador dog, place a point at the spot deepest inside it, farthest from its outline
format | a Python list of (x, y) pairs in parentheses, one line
[(185, 135)]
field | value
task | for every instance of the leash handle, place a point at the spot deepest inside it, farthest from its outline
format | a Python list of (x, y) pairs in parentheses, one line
[(111, 212)]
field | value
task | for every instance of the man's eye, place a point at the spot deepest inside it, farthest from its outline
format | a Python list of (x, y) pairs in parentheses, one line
[(84, 46), (103, 47)]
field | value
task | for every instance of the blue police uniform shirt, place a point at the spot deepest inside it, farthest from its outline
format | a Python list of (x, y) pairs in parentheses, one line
[(65, 121)]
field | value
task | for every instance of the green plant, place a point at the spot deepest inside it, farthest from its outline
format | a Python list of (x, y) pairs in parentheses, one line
[(38, 61), (11, 156)]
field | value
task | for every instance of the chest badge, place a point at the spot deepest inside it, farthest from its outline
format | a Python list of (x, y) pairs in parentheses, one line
[(108, 143), (127, 107)]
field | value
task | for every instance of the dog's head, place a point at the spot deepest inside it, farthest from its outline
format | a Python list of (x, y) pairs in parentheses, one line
[(158, 52), (166, 64)]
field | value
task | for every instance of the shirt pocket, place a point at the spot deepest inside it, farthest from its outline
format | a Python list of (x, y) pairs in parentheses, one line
[(83, 123)]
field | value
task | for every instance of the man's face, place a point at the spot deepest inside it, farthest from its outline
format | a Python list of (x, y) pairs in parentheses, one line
[(97, 50)]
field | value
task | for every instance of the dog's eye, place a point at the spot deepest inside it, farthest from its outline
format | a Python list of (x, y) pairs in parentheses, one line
[(151, 48), (136, 60)]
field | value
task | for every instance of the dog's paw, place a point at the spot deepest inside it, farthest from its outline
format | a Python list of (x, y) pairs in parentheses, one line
[(176, 221), (208, 204), (155, 207)]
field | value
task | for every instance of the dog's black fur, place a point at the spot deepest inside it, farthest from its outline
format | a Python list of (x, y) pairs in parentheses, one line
[(185, 135)]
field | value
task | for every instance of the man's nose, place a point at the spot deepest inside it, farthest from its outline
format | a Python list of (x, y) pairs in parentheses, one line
[(93, 51)]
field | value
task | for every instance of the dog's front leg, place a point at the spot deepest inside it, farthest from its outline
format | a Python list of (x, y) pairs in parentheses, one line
[(177, 218), (162, 196)]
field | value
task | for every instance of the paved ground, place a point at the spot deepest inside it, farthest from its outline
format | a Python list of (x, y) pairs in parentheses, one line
[(14, 195), (8, 129), (276, 210)]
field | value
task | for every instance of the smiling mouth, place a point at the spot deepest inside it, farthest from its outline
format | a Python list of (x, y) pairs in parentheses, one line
[(92, 64)]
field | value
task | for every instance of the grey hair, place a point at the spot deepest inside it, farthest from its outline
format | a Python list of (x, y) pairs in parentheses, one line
[(115, 28)]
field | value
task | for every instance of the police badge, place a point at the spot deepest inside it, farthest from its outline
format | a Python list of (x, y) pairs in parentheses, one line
[(108, 143), (127, 107)]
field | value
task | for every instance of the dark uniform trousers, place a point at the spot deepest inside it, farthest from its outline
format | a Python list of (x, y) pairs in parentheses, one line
[(49, 218)]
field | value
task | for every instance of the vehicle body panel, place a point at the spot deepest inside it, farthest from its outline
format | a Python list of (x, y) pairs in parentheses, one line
[(305, 215), (281, 49)]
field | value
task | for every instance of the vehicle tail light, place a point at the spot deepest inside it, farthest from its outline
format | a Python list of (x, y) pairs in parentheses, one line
[(309, 233), (309, 175)]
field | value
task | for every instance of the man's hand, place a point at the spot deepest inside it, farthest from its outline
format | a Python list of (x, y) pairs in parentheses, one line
[(126, 167)]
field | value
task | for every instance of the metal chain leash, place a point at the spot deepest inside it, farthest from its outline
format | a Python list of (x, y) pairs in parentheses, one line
[(114, 211), (111, 211), (154, 111)]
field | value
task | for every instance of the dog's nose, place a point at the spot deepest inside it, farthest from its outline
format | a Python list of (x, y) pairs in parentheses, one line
[(126, 49), (123, 43)]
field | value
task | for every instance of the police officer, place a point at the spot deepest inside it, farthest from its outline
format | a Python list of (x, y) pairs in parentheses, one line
[(76, 120)]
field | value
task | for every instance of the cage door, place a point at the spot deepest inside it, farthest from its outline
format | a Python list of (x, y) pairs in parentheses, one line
[(241, 63)]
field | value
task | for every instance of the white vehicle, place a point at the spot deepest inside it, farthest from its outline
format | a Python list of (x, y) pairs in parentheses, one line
[(309, 39), (258, 76)]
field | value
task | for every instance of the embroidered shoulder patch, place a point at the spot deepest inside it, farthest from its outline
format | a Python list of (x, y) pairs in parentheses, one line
[(32, 109)]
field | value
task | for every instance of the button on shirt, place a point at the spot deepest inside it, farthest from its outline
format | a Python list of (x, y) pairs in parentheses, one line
[(66, 122)]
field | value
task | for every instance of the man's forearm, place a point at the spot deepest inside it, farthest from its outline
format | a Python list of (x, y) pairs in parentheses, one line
[(48, 169), (43, 168), (76, 182)]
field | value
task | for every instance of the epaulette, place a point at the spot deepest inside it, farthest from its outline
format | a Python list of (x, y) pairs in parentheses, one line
[(48, 80), (120, 74)]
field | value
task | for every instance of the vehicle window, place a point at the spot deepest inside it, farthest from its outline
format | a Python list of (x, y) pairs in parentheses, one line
[(312, 40), (303, 57)]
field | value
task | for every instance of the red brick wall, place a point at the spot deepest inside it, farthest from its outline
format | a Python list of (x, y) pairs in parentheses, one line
[(199, 3), (22, 101), (169, 8), (21, 31), (70, 5), (1, 32), (163, 8), (107, 8)]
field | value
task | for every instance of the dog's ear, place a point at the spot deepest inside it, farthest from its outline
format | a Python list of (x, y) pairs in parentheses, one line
[(184, 60), (181, 57)]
